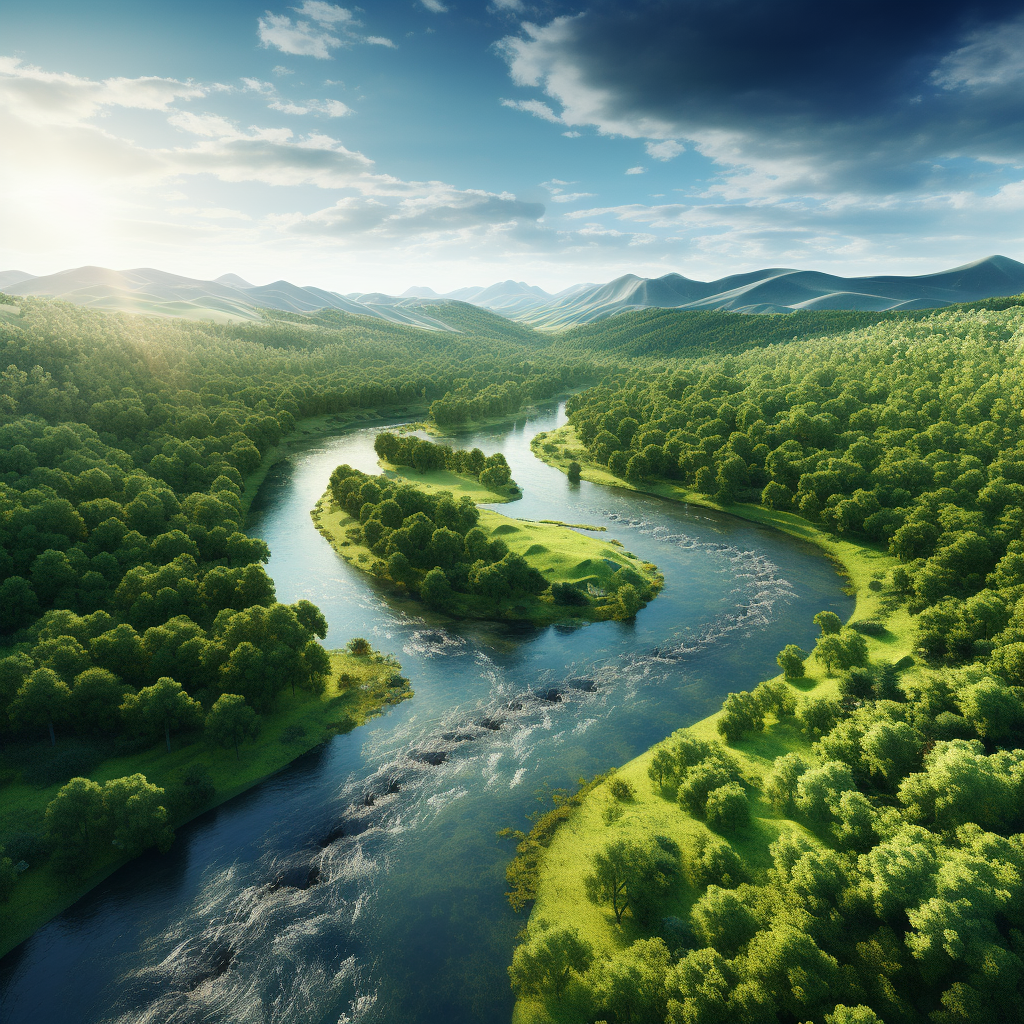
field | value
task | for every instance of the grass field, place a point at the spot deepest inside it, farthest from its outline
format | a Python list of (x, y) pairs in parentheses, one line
[(297, 724), (592, 825), (559, 552)]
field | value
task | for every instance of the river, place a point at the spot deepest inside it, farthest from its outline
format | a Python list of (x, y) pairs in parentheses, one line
[(408, 921)]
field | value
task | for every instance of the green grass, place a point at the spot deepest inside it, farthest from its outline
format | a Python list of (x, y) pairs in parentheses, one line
[(41, 893), (563, 865), (558, 552)]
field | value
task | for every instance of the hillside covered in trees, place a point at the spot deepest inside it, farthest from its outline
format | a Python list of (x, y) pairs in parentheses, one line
[(842, 844)]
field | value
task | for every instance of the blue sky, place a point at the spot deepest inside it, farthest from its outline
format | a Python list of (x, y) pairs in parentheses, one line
[(447, 144)]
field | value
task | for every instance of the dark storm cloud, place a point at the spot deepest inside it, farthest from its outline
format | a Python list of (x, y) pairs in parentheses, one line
[(864, 96)]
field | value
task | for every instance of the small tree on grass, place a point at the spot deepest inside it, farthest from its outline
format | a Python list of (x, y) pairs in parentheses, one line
[(608, 884), (775, 698), (544, 964), (574, 472), (741, 713), (727, 809), (43, 699), (359, 647), (74, 822), (662, 767), (828, 622), (162, 707), (436, 591), (231, 721), (136, 815), (791, 660)]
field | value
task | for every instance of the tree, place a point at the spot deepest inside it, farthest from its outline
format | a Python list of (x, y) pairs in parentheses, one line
[(741, 713), (359, 647), (574, 472), (166, 706), (791, 660), (231, 722), (780, 785), (723, 920), (819, 789), (852, 1015), (44, 698), (699, 781), (727, 809), (662, 766), (630, 985), (436, 591), (775, 698), (96, 700), (828, 622), (74, 823), (614, 868), (627, 602), (819, 715), (136, 815), (995, 711), (890, 750), (546, 961)]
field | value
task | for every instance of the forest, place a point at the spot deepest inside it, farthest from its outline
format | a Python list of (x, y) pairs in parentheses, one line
[(138, 616), (853, 828)]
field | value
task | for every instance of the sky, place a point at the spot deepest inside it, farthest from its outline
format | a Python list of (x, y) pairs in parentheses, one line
[(448, 143)]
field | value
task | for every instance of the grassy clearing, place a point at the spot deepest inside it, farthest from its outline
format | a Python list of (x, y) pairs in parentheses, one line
[(556, 550), (298, 724), (566, 860)]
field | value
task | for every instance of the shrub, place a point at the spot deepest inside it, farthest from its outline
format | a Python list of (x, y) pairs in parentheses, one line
[(621, 789)]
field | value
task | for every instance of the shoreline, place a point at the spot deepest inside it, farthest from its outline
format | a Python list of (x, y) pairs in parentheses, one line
[(560, 852)]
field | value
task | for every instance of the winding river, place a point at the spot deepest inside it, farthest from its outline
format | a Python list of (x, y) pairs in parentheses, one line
[(365, 882)]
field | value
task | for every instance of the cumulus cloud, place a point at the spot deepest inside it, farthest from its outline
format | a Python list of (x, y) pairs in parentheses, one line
[(434, 6), (636, 170), (863, 96)]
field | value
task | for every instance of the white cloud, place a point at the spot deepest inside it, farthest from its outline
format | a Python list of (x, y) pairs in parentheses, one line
[(280, 70), (326, 14), (380, 41), (571, 197), (434, 6), (572, 135), (210, 125), (637, 170), (286, 107), (299, 38), (535, 107), (331, 108), (44, 97), (663, 150), (263, 88), (992, 57)]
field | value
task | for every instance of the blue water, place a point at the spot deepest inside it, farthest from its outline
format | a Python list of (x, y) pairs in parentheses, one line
[(408, 921)]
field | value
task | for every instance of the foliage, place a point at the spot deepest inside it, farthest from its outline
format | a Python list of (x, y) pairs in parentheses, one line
[(231, 721)]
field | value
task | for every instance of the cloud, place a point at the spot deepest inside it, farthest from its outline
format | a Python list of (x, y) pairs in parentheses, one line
[(45, 97), (330, 108), (326, 14), (636, 170), (571, 197), (380, 41), (663, 150), (434, 6), (299, 38), (863, 97), (535, 107), (572, 135)]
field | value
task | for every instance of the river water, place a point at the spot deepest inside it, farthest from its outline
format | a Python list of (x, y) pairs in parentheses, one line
[(408, 922)]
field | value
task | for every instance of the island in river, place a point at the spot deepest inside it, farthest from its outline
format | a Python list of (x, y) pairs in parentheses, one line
[(424, 532)]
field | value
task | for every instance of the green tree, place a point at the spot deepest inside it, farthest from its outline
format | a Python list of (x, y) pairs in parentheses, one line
[(995, 711), (574, 472), (614, 868), (436, 591), (819, 715), (791, 660), (860, 1014), (75, 823), (135, 814), (891, 750), (780, 784), (741, 713), (775, 698), (727, 809), (163, 706), (630, 985), (662, 766), (699, 781), (43, 699), (828, 622), (723, 920), (544, 963), (96, 700), (231, 721), (627, 602)]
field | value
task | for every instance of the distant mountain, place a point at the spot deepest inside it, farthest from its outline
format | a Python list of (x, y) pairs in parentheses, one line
[(158, 293), (768, 291), (775, 290)]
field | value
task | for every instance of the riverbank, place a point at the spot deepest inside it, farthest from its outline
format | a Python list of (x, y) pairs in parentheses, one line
[(557, 551), (560, 858), (359, 688)]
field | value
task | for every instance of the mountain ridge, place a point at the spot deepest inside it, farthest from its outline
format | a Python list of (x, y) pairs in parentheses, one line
[(771, 290)]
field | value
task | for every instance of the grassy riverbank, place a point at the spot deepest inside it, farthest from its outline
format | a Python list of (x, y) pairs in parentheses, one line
[(557, 551), (358, 689), (565, 854)]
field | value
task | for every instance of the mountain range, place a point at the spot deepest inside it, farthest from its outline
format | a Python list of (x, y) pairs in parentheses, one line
[(775, 290)]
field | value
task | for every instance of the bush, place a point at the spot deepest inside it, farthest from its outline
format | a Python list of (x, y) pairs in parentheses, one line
[(741, 713), (359, 647), (869, 627), (727, 808), (568, 594), (621, 789), (713, 862)]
